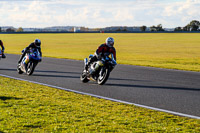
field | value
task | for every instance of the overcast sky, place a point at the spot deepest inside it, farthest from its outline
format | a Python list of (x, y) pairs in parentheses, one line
[(98, 13)]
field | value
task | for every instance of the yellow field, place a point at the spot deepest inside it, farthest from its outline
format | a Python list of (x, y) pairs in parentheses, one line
[(165, 50)]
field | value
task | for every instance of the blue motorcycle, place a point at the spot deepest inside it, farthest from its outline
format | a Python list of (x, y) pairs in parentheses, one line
[(29, 62)]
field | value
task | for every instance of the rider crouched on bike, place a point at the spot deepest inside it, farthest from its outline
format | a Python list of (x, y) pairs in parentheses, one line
[(106, 48), (34, 45), (2, 49)]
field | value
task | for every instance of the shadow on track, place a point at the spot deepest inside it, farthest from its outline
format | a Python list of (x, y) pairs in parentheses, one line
[(57, 76), (8, 69), (120, 79), (56, 72), (153, 87)]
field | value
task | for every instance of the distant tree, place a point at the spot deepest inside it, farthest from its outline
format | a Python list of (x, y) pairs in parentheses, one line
[(143, 28), (194, 25), (0, 29), (124, 29), (153, 28), (159, 28), (186, 28), (118, 29), (20, 29), (10, 30), (178, 29)]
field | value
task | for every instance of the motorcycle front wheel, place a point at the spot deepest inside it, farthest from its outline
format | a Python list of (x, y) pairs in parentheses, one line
[(103, 76), (19, 69), (83, 77), (30, 67)]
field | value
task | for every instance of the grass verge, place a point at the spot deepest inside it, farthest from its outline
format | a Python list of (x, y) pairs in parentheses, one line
[(28, 107), (164, 50)]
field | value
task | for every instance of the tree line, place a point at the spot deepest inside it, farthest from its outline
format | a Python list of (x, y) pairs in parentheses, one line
[(194, 25)]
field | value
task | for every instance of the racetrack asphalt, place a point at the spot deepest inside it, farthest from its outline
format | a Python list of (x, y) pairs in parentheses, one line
[(172, 90)]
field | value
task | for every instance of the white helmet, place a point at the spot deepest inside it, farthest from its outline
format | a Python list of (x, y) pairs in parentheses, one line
[(110, 42)]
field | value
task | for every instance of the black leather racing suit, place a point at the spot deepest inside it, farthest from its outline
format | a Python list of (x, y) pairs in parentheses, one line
[(2, 49), (31, 46)]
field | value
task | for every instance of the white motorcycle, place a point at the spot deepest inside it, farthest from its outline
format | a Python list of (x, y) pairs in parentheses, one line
[(99, 70)]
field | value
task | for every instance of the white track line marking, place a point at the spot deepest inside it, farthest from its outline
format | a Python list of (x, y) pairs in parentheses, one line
[(107, 98)]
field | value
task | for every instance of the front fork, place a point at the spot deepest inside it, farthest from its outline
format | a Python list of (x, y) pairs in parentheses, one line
[(85, 61)]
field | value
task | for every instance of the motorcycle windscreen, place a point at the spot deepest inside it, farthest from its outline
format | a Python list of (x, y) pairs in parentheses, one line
[(35, 55)]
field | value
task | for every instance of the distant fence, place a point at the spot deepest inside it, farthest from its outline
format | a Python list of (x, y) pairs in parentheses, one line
[(48, 32), (101, 32)]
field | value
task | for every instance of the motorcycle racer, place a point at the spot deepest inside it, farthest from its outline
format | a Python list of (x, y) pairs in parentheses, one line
[(36, 44), (104, 49), (1, 44)]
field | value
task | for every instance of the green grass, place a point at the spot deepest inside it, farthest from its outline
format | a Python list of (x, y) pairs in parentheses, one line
[(28, 107), (164, 50)]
